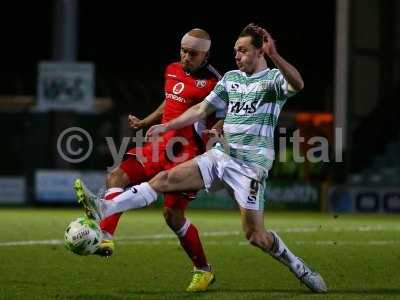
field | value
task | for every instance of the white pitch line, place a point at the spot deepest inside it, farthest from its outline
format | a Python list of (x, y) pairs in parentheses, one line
[(240, 243), (162, 238), (327, 228), (32, 242), (143, 238), (351, 243), (173, 236), (245, 243)]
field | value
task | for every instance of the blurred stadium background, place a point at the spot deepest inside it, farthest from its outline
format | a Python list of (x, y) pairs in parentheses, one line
[(84, 64)]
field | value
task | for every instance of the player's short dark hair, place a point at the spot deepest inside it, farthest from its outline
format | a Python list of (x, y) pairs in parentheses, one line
[(256, 37)]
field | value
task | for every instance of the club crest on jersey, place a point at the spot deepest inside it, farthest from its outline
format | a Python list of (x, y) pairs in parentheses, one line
[(178, 88), (264, 85), (200, 83)]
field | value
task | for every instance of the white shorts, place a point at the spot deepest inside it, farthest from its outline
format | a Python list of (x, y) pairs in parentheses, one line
[(248, 183)]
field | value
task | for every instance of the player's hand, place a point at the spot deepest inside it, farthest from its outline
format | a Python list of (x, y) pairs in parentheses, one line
[(269, 46), (211, 137), (134, 122), (155, 130), (211, 133), (219, 127)]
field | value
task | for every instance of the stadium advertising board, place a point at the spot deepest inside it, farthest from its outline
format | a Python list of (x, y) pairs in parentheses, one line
[(280, 195), (56, 186), (293, 194), (12, 190), (364, 199), (65, 86)]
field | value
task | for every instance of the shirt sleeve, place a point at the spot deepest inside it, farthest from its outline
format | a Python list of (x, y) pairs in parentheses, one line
[(220, 113), (281, 87), (219, 96)]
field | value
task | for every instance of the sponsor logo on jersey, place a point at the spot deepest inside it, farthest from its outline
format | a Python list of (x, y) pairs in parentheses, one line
[(234, 86), (200, 83), (243, 108), (175, 97), (178, 88)]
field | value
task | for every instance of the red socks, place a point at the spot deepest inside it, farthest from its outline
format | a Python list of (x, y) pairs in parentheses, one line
[(110, 223), (190, 241)]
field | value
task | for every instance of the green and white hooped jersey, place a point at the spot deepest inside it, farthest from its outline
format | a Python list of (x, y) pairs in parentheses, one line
[(252, 104)]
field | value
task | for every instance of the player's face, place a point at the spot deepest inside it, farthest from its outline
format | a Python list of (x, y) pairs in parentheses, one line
[(246, 55), (192, 60)]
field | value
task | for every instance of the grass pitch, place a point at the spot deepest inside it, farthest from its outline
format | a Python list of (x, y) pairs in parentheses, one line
[(358, 256)]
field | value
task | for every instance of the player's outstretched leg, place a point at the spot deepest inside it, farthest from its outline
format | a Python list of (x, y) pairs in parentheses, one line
[(312, 279), (135, 197), (270, 242)]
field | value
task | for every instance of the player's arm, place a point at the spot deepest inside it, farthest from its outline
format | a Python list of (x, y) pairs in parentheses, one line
[(192, 115), (152, 118), (292, 76), (216, 100)]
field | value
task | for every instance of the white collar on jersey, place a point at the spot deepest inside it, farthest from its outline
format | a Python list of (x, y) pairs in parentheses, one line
[(258, 74)]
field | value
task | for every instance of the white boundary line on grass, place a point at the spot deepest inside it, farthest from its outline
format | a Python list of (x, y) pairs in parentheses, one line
[(298, 242), (31, 243), (226, 243), (124, 239), (161, 238)]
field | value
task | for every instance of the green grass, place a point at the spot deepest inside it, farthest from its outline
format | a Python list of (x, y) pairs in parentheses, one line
[(358, 255)]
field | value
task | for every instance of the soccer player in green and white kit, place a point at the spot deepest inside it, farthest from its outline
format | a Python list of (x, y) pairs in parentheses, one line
[(253, 97)]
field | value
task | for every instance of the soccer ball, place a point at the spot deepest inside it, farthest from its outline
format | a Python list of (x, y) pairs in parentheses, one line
[(82, 236)]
